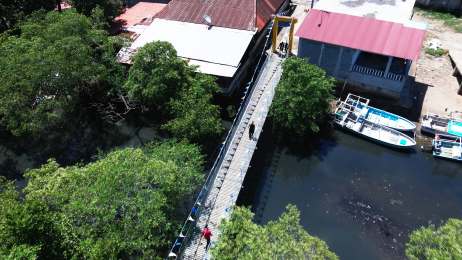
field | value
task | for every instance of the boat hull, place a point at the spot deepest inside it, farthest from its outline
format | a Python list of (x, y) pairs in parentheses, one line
[(381, 117), (449, 148), (447, 158), (434, 124), (378, 141)]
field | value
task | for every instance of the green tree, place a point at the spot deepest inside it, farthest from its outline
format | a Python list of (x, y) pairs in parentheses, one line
[(284, 238), (302, 97), (21, 252), (126, 204), (157, 75), (195, 117), (12, 11), (57, 58), (111, 8), (444, 242), (27, 230), (162, 81)]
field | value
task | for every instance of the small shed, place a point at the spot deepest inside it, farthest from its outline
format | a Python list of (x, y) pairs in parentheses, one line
[(363, 51)]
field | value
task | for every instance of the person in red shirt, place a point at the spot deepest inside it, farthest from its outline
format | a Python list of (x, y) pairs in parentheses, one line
[(207, 234)]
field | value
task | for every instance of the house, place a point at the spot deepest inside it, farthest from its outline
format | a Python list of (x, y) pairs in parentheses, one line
[(216, 36), (367, 44)]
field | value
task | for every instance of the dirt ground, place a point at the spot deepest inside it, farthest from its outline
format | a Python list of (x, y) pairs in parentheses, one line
[(436, 73)]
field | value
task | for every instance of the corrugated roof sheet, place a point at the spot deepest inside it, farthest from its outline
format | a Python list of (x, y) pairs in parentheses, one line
[(266, 8), (140, 13), (363, 33), (217, 51), (237, 14)]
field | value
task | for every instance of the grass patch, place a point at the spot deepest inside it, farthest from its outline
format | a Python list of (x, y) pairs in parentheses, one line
[(448, 19), (438, 52)]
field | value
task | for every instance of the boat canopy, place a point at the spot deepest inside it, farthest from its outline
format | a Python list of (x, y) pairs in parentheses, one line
[(455, 128)]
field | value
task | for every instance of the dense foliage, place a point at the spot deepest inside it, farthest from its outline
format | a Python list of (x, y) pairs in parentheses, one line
[(111, 8), (302, 97), (162, 81), (127, 203), (26, 227), (444, 242), (195, 117), (157, 75), (12, 11), (284, 238), (57, 59)]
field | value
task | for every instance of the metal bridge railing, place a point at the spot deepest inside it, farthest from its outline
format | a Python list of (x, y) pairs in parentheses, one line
[(188, 227)]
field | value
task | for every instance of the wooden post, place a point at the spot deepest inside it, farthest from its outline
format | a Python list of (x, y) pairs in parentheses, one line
[(339, 60), (388, 66), (320, 54), (291, 34), (275, 33)]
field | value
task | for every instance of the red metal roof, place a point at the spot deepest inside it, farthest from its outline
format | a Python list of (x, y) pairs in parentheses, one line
[(266, 8), (363, 33), (236, 14), (141, 13)]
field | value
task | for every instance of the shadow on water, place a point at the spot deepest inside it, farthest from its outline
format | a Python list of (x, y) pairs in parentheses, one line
[(307, 146), (79, 140), (268, 153)]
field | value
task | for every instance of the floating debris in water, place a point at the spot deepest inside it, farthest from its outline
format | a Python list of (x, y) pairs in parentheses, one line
[(390, 234)]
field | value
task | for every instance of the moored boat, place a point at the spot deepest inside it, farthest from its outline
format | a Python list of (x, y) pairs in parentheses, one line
[(435, 124), (377, 115), (372, 131), (448, 147)]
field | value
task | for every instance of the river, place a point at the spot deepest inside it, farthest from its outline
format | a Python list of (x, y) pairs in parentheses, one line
[(361, 198)]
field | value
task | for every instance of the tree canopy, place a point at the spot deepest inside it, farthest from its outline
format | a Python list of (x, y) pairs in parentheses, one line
[(157, 75), (444, 242), (162, 81), (12, 11), (302, 97), (195, 117), (111, 8), (284, 238), (26, 227), (129, 203), (57, 58)]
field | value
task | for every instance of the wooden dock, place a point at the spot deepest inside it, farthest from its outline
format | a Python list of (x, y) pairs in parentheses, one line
[(232, 169)]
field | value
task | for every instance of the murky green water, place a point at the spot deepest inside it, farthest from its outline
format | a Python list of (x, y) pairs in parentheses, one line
[(361, 198)]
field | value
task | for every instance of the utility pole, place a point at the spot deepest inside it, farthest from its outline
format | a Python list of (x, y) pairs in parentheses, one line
[(312, 4)]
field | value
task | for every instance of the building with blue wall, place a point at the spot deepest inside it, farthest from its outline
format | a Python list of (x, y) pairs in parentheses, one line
[(372, 52)]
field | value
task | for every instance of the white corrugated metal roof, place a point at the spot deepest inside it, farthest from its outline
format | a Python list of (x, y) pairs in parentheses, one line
[(214, 68), (216, 50), (398, 11)]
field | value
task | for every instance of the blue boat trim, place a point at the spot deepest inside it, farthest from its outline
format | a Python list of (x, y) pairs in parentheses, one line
[(383, 113), (455, 128)]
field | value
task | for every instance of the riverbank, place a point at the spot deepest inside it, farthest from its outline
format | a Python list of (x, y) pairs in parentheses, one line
[(436, 74)]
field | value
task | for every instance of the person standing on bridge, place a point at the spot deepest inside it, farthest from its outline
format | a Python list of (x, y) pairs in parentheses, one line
[(251, 130), (207, 234)]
